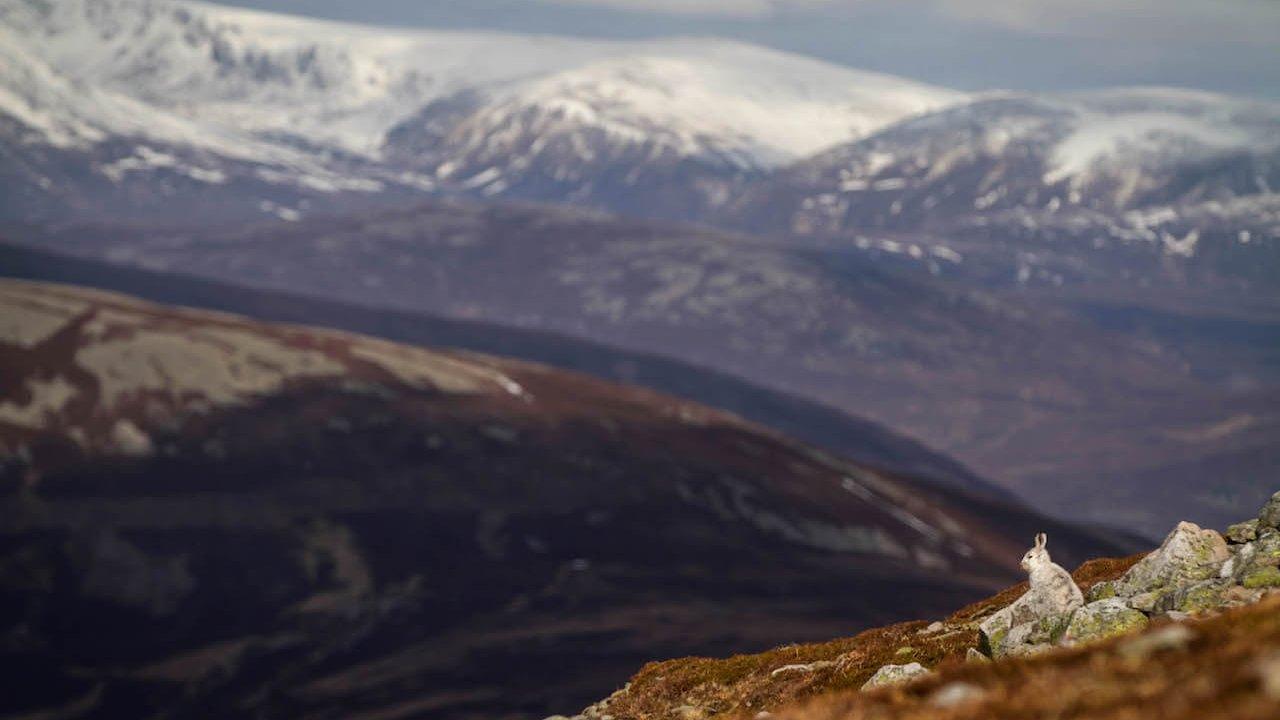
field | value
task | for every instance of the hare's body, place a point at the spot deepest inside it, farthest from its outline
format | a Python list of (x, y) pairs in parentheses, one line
[(1050, 581)]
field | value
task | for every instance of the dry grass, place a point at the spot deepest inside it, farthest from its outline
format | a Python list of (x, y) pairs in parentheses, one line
[(745, 684), (1229, 669)]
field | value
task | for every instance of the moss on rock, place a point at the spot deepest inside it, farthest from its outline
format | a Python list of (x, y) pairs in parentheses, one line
[(1103, 619), (1261, 577)]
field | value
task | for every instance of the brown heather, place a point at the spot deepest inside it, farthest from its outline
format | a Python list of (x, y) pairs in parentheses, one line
[(744, 685)]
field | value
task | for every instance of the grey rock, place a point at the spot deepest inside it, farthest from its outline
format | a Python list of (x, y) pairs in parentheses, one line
[(1103, 619), (1188, 555), (974, 655), (1028, 649), (956, 693), (895, 674), (1196, 598), (1242, 532), (1101, 591), (1270, 515), (1169, 637)]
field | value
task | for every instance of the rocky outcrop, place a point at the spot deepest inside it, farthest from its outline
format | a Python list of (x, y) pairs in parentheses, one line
[(1187, 556), (1194, 571)]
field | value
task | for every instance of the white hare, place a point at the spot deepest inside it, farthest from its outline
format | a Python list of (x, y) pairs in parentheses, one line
[(1049, 580), (1052, 594)]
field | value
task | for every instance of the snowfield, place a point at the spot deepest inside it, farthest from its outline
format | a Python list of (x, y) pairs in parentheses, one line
[(339, 88)]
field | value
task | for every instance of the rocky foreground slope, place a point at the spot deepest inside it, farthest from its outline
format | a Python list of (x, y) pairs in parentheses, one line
[(206, 516), (1191, 630)]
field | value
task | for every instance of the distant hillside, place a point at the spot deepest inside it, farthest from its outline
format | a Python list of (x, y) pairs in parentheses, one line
[(1078, 415), (203, 515), (796, 417)]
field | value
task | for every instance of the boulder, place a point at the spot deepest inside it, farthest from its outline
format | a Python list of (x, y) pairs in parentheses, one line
[(895, 674), (1188, 555), (1197, 598), (1242, 532), (1265, 576), (1270, 515), (1103, 619), (1253, 558)]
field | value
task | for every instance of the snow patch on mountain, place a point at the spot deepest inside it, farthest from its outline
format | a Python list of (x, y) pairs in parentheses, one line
[(301, 92)]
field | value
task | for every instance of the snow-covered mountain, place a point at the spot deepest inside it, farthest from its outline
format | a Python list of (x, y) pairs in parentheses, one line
[(319, 107), (1148, 173)]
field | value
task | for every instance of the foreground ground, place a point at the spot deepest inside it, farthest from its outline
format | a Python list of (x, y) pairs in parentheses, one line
[(1220, 665)]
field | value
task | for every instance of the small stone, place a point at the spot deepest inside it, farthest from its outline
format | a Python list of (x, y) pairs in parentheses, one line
[(934, 627), (1268, 668), (1103, 619), (1244, 532), (803, 667), (1270, 515), (1261, 577), (895, 674), (1170, 637), (956, 693), (974, 655)]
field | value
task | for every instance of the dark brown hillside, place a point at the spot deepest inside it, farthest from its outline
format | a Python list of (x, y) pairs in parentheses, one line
[(203, 515)]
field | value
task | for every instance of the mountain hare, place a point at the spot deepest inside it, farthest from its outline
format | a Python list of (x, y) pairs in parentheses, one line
[(1050, 581)]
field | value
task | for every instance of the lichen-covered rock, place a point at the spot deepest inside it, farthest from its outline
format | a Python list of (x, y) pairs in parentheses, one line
[(1270, 515), (1265, 576), (1188, 555), (1101, 591), (1253, 558), (974, 655), (1149, 602), (1244, 532), (1004, 630), (1194, 599), (895, 674), (1103, 619), (1049, 629)]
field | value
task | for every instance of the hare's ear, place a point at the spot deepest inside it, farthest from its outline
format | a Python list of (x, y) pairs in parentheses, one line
[(1041, 539)]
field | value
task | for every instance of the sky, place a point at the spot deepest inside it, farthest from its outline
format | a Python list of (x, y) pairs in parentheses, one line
[(1230, 46)]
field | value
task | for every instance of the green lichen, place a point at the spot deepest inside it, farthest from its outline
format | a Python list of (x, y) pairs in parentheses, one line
[(1261, 577), (1104, 619), (1101, 591), (1243, 532), (1050, 629), (1199, 598)]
